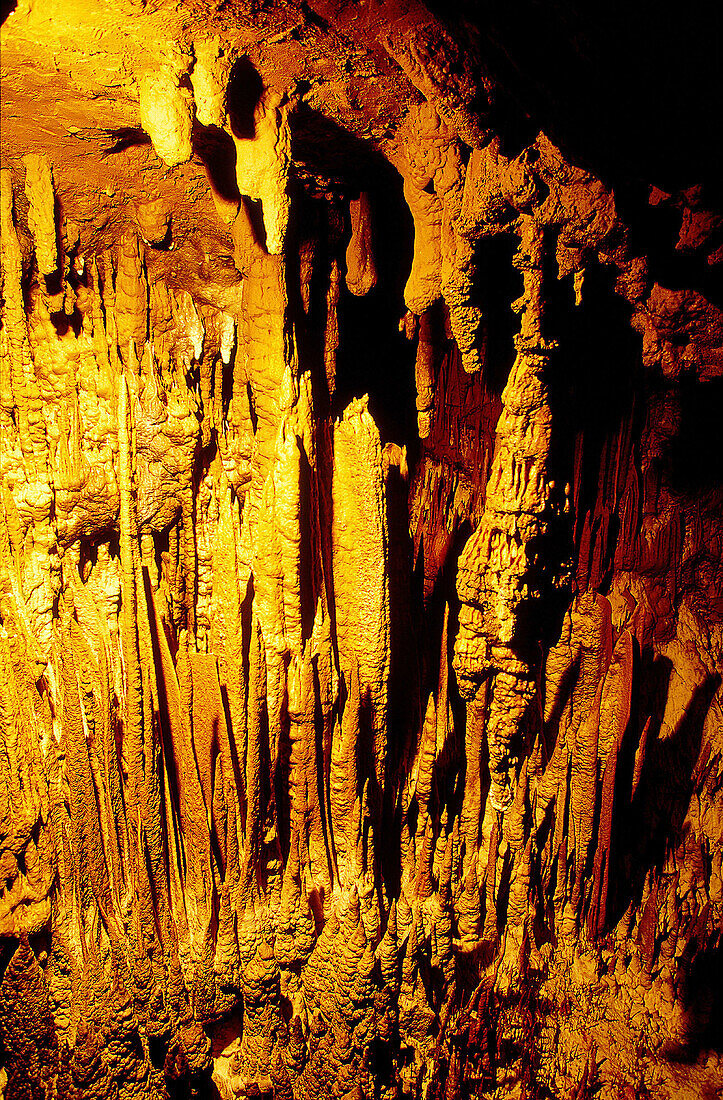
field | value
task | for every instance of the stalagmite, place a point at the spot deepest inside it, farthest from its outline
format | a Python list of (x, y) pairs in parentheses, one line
[(359, 539), (496, 573)]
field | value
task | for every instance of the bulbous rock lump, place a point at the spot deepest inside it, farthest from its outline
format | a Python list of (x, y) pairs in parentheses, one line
[(361, 634)]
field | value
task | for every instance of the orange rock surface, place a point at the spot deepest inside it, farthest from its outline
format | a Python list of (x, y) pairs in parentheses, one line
[(353, 744)]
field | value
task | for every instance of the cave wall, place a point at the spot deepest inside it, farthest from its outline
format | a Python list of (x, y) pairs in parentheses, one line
[(360, 573)]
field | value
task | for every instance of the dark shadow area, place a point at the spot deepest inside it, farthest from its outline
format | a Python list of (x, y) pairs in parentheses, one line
[(243, 92), (611, 83), (166, 240), (647, 825), (217, 152), (8, 947), (594, 376), (696, 455), (373, 356), (64, 322), (330, 163), (314, 240), (539, 618), (322, 150), (124, 138), (404, 715), (223, 1031), (702, 998), (593, 372), (497, 283), (654, 232)]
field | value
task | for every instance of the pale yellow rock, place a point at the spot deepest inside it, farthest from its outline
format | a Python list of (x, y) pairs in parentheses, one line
[(262, 166), (166, 110), (208, 79), (359, 539), (41, 215)]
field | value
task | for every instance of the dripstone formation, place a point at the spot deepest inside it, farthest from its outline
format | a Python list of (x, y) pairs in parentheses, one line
[(353, 750)]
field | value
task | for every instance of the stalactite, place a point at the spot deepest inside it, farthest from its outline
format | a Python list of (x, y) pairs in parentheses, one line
[(331, 331), (361, 276), (166, 107), (262, 166)]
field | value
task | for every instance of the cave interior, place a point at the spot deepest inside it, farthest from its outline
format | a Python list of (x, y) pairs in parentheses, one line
[(361, 550)]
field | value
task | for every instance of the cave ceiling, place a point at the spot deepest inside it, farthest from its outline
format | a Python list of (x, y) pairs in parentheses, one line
[(361, 550)]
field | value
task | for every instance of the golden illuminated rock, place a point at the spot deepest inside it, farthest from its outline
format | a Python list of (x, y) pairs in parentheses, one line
[(361, 627)]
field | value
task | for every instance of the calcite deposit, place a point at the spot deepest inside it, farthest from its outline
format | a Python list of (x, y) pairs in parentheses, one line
[(361, 555)]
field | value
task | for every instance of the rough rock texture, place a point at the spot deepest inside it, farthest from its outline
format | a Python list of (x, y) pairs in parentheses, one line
[(351, 749)]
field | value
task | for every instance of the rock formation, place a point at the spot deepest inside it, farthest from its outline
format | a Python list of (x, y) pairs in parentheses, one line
[(351, 749)]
